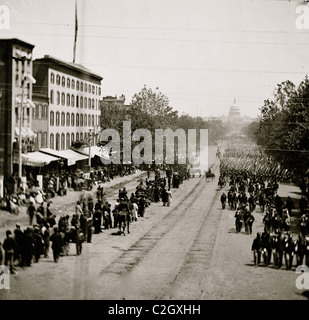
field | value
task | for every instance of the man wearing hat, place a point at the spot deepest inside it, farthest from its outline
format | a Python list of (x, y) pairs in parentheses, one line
[(9, 246), (56, 240), (19, 238)]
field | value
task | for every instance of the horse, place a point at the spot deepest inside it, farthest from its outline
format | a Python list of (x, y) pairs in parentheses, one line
[(210, 175)]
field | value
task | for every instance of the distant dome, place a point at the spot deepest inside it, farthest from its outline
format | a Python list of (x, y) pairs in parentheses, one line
[(234, 111)]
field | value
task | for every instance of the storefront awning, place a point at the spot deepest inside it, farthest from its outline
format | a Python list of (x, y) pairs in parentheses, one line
[(35, 159), (25, 133), (95, 151), (69, 155)]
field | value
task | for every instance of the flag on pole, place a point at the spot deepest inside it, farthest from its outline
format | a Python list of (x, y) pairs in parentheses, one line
[(76, 29)]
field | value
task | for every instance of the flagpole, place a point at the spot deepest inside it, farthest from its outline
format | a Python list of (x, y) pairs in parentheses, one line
[(76, 28)]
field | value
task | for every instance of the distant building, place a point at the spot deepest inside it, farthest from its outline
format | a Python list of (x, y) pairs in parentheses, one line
[(112, 102), (15, 92), (235, 116)]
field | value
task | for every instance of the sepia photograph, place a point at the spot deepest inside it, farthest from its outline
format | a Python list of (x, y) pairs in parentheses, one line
[(154, 152)]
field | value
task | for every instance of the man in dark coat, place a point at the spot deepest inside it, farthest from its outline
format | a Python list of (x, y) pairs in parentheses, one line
[(38, 244), (19, 238), (257, 249), (223, 200), (97, 220), (28, 247), (56, 240), (9, 247)]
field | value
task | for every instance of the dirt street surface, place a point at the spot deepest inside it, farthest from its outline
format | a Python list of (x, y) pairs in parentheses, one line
[(186, 251)]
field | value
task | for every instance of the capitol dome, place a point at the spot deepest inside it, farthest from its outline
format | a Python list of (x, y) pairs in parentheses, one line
[(234, 111)]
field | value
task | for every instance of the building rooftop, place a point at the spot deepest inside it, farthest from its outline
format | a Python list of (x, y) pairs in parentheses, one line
[(70, 65), (19, 42)]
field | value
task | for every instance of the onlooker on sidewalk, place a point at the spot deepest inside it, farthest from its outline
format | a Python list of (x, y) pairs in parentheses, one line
[(9, 246), (31, 211)]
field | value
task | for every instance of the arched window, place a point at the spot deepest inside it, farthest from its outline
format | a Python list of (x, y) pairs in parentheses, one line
[(57, 141), (58, 79), (99, 91), (92, 120), (62, 141), (62, 119), (89, 120), (62, 99), (81, 86), (85, 120), (58, 97), (99, 121), (77, 120), (63, 81), (89, 103), (73, 84), (77, 101), (72, 100), (52, 141), (85, 87), (52, 78), (45, 112), (93, 89), (44, 140), (68, 140), (52, 119), (77, 136), (68, 99), (81, 102), (85, 101), (68, 82), (77, 85), (72, 138), (89, 88), (68, 119), (81, 120), (81, 136), (92, 103), (39, 140), (57, 118), (72, 119), (52, 96)]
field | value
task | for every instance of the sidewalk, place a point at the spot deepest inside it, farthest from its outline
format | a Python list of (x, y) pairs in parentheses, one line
[(61, 204)]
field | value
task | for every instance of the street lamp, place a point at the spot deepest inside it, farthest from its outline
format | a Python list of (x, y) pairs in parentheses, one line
[(26, 78)]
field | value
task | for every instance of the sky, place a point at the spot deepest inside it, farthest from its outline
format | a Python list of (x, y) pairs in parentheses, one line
[(202, 54)]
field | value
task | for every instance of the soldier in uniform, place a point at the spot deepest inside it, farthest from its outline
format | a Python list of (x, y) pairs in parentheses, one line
[(257, 248), (223, 200), (57, 243)]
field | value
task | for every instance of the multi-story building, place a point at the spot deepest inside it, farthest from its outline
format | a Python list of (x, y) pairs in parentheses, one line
[(15, 100), (40, 120), (73, 93)]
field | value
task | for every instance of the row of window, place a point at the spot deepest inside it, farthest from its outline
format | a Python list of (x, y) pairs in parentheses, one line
[(64, 141), (70, 83), (71, 100), (41, 139), (40, 112), (70, 119)]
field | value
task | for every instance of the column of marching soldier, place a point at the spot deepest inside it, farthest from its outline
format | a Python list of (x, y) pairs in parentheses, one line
[(24, 247), (275, 245)]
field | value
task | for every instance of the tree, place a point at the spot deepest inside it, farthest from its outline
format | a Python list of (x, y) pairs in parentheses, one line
[(283, 128)]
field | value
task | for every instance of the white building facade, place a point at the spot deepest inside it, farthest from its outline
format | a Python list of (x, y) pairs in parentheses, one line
[(73, 93)]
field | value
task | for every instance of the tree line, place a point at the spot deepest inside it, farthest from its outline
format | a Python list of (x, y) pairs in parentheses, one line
[(282, 129), (150, 109)]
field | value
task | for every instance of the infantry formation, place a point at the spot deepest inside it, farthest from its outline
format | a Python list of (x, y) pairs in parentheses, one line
[(251, 187)]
